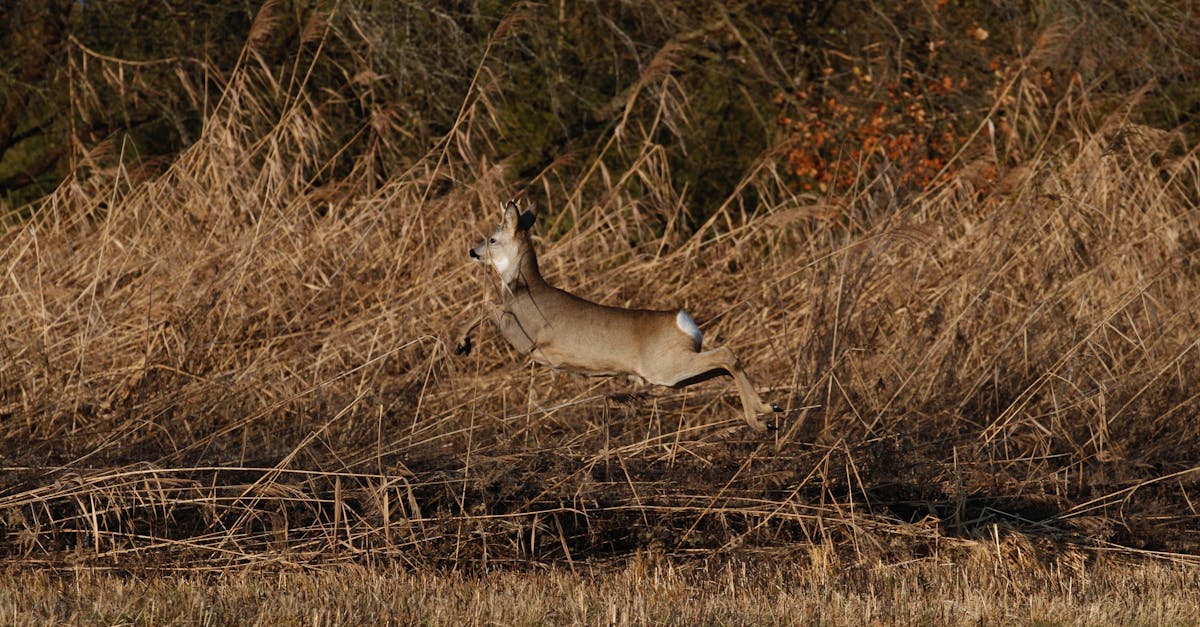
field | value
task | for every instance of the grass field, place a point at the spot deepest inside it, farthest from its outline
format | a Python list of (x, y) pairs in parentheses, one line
[(978, 586), (228, 392)]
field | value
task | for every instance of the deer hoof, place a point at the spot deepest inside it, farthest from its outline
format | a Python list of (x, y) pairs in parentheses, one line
[(630, 399), (464, 347), (776, 408)]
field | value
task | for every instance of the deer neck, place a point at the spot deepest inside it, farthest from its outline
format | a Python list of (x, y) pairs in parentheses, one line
[(524, 272)]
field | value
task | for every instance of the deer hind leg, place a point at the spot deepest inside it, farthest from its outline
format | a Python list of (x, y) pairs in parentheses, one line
[(686, 368)]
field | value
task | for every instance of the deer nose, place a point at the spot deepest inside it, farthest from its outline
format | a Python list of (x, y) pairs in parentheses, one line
[(474, 255)]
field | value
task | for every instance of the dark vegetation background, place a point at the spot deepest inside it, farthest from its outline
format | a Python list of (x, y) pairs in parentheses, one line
[(956, 239), (392, 78)]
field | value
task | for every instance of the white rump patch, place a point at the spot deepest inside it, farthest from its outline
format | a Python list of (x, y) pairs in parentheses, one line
[(688, 326)]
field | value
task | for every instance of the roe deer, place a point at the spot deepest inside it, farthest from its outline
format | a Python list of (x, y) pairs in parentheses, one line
[(564, 331)]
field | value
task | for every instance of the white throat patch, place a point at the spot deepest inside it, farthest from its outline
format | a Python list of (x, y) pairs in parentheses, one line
[(501, 264)]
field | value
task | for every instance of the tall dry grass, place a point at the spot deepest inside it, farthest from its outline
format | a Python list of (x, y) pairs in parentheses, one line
[(243, 361)]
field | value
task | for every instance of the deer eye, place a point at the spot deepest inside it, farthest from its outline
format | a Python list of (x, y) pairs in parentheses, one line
[(491, 240)]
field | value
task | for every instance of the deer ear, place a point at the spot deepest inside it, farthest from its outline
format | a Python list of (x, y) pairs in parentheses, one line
[(526, 220), (512, 217)]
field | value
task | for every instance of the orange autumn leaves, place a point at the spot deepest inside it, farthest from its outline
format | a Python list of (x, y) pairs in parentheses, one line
[(841, 128)]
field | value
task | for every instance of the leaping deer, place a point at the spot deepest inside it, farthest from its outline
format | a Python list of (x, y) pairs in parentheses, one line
[(564, 331)]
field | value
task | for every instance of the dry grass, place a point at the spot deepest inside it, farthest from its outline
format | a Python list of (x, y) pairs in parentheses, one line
[(982, 586), (229, 366)]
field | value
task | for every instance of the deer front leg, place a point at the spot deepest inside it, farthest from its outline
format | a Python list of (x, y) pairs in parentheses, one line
[(463, 345)]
